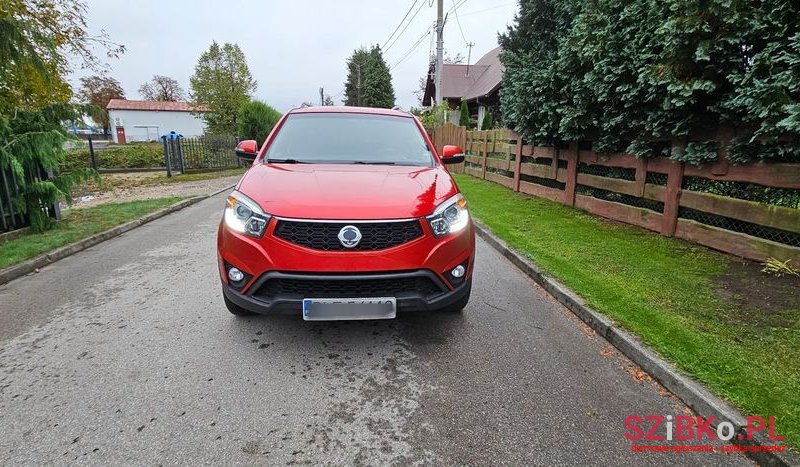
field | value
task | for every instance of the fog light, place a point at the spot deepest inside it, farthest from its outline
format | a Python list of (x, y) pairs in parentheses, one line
[(458, 271), (235, 275)]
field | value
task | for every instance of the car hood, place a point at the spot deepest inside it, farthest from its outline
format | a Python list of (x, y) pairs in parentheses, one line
[(347, 192)]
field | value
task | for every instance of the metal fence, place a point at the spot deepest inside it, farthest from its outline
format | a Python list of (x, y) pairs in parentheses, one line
[(209, 152), (10, 217), (749, 210)]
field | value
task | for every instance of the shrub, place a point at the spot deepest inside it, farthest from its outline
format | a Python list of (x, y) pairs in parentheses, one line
[(256, 120), (616, 72)]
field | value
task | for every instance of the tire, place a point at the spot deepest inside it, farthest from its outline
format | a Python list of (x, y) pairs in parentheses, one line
[(459, 306), (235, 309)]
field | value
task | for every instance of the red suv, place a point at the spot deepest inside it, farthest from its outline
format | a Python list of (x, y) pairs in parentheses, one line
[(346, 213)]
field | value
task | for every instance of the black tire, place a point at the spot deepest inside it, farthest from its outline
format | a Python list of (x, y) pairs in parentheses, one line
[(235, 309), (459, 306)]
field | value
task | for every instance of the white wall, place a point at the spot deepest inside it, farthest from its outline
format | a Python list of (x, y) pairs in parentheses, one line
[(146, 125)]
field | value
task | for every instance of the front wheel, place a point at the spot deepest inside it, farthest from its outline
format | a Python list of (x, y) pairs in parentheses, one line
[(458, 307), (235, 309)]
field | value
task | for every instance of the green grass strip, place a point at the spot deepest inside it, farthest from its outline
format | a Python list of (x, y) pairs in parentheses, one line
[(78, 224), (662, 290)]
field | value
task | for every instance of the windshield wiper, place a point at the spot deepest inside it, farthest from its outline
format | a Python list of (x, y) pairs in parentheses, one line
[(373, 162), (286, 161)]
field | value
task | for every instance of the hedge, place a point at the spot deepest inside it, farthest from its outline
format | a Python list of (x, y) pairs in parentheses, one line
[(623, 73), (135, 155)]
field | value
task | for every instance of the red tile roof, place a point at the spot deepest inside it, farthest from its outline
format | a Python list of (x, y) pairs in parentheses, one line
[(161, 106)]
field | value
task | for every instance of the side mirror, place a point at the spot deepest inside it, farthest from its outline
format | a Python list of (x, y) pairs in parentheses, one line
[(452, 155), (247, 150)]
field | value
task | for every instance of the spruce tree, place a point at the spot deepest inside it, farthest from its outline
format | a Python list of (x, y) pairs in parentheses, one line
[(369, 81)]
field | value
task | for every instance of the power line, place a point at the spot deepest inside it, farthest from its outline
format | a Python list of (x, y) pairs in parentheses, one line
[(458, 4), (406, 27), (414, 47), (400, 24), (487, 9), (458, 21)]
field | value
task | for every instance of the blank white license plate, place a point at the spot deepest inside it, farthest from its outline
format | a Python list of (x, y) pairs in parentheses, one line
[(337, 309)]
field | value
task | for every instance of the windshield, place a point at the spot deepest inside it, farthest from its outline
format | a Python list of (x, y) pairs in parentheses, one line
[(341, 138)]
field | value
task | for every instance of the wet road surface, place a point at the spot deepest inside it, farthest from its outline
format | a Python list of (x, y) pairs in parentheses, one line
[(124, 353)]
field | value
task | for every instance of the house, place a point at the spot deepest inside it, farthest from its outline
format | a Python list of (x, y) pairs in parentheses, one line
[(147, 120), (478, 84)]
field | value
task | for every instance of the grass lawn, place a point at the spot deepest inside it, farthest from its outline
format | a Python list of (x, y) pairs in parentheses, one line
[(667, 292), (77, 224)]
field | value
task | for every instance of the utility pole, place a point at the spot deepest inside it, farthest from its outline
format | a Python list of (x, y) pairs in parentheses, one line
[(359, 84), (439, 48), (469, 55), (321, 97)]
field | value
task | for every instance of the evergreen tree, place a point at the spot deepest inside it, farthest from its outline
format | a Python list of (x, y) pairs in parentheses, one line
[(222, 83), (464, 119), (622, 73), (487, 123), (369, 82), (39, 42)]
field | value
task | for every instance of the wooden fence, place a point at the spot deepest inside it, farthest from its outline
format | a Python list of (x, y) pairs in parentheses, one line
[(756, 217)]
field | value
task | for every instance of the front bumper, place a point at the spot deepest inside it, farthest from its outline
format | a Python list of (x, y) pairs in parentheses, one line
[(258, 256), (423, 290)]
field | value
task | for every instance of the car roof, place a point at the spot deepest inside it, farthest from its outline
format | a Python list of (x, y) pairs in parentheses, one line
[(350, 110)]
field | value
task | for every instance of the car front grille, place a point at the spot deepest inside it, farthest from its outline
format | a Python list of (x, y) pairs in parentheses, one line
[(324, 235), (350, 287)]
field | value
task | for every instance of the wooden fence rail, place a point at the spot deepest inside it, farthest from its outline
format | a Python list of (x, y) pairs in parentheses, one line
[(757, 218)]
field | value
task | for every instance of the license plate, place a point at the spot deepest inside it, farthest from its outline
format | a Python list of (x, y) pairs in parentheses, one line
[(336, 309)]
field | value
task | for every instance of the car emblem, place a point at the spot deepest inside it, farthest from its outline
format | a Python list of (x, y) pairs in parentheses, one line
[(349, 236)]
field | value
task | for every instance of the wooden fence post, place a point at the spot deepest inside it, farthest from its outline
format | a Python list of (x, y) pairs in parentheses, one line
[(572, 174), (517, 161), (641, 176), (672, 195), (485, 152)]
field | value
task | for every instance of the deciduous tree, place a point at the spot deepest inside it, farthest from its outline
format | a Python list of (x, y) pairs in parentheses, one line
[(97, 91), (39, 39), (162, 88), (222, 83)]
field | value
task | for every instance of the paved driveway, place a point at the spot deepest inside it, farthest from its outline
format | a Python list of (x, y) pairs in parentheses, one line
[(124, 353)]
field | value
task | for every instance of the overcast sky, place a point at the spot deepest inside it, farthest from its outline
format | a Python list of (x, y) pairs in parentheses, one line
[(293, 47)]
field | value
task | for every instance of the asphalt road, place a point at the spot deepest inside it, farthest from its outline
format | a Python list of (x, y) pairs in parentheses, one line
[(124, 353)]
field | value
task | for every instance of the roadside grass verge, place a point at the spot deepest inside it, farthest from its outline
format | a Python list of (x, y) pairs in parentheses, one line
[(666, 292), (78, 224)]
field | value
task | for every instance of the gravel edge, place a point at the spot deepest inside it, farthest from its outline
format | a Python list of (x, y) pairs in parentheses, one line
[(26, 267), (691, 392)]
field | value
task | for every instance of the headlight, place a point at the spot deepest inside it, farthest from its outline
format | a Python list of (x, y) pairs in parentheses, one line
[(450, 217), (243, 215)]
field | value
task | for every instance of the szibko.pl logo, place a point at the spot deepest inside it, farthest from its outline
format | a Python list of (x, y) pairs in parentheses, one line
[(696, 428)]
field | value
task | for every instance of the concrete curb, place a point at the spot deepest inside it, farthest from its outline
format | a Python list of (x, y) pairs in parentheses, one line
[(31, 265), (692, 393)]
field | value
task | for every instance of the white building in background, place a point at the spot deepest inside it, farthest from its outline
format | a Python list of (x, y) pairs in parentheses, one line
[(132, 121)]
